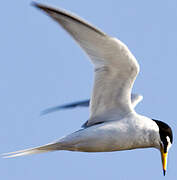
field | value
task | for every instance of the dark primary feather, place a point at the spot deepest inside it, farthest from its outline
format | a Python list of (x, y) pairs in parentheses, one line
[(50, 10), (84, 103)]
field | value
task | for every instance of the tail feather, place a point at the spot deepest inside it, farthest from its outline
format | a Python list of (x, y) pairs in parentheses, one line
[(41, 149)]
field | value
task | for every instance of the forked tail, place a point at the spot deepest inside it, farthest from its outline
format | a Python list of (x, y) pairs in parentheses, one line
[(41, 149)]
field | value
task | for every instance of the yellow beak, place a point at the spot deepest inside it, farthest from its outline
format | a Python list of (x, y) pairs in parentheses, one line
[(164, 160)]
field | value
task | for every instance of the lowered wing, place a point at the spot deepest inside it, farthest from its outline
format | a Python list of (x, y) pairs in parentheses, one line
[(135, 99), (84, 103)]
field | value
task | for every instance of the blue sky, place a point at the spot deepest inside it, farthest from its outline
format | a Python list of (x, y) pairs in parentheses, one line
[(41, 66)]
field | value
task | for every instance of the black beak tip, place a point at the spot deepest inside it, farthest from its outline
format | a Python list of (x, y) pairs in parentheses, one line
[(164, 172)]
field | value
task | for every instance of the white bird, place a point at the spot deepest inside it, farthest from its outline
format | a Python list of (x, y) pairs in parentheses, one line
[(113, 124), (135, 99)]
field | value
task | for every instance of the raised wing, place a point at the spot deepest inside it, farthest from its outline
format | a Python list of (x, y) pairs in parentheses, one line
[(135, 99), (115, 67)]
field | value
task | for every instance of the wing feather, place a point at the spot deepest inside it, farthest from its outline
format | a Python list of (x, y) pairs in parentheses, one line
[(115, 66)]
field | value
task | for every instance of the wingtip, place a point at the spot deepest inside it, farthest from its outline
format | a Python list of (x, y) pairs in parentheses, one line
[(44, 112), (50, 110), (35, 4), (39, 5), (47, 9)]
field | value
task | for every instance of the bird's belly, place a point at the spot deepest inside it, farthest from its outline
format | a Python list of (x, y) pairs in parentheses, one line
[(100, 145), (103, 139)]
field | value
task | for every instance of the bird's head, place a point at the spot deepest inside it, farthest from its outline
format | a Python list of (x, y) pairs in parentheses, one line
[(166, 137)]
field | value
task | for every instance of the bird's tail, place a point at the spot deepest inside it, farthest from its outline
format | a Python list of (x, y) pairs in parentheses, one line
[(41, 149)]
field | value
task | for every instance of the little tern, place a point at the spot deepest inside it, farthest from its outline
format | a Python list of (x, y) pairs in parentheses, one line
[(113, 124)]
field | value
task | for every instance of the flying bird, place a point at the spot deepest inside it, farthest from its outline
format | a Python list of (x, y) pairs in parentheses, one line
[(113, 124)]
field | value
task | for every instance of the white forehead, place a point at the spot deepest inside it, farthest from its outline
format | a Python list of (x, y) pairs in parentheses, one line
[(169, 143), (168, 139)]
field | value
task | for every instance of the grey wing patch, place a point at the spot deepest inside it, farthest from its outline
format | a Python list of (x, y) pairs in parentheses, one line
[(84, 103)]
